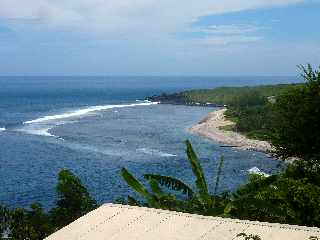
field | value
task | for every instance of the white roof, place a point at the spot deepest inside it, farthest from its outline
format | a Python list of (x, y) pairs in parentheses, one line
[(120, 222)]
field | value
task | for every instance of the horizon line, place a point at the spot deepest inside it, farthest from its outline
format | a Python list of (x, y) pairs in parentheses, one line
[(231, 75)]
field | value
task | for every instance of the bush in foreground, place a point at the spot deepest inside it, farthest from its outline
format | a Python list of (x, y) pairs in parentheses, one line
[(35, 224), (292, 197)]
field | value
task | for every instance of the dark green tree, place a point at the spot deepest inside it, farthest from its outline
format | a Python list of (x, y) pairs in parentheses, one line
[(279, 198), (296, 119), (249, 98), (20, 227), (33, 224), (4, 220), (40, 221), (74, 200)]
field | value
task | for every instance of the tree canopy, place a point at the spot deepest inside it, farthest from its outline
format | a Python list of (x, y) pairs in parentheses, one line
[(74, 199), (73, 202), (296, 119)]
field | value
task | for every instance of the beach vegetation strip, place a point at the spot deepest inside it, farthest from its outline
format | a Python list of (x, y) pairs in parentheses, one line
[(249, 112)]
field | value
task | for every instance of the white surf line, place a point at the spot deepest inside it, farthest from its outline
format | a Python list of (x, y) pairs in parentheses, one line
[(85, 111), (2, 129), (156, 152), (41, 132), (42, 126)]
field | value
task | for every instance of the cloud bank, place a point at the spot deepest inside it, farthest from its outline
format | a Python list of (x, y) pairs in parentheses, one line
[(107, 16), (156, 37)]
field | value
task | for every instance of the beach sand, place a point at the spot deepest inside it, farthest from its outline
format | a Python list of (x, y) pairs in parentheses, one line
[(210, 126)]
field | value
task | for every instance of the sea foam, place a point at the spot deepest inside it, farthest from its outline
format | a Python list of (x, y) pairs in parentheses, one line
[(85, 111), (41, 126), (156, 152), (2, 129)]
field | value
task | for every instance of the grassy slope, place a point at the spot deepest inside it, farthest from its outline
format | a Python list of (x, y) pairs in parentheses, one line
[(225, 95)]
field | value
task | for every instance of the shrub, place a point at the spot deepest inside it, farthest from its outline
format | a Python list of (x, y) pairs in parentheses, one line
[(296, 119)]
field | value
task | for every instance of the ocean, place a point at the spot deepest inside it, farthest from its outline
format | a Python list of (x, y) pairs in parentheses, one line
[(94, 126)]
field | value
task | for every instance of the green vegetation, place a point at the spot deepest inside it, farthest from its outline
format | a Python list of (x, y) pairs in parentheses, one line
[(249, 236), (292, 197), (74, 200), (252, 118), (291, 121), (227, 95), (285, 114), (296, 119), (198, 200), (35, 224), (284, 198), (250, 108)]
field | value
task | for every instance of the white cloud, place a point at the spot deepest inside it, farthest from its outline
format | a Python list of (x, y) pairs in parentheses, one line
[(231, 29), (226, 40), (126, 15), (37, 9), (220, 35)]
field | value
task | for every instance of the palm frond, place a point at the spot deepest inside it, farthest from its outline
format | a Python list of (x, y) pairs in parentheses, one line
[(155, 188), (198, 172), (171, 183), (218, 175), (138, 187)]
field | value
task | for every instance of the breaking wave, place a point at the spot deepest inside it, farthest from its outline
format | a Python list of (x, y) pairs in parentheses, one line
[(156, 152), (41, 126), (85, 111)]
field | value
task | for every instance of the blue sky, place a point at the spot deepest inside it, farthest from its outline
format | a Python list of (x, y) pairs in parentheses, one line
[(152, 37)]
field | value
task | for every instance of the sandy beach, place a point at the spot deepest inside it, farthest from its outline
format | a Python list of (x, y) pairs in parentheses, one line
[(209, 127)]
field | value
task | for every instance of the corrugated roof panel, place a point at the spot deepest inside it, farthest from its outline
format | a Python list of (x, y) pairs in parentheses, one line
[(119, 222)]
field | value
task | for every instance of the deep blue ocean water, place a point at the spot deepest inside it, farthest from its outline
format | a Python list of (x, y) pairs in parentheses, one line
[(96, 125)]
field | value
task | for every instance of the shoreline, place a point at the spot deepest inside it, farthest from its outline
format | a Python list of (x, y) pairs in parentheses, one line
[(210, 128)]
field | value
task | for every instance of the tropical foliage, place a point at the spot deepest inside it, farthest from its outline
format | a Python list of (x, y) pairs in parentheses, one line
[(279, 199), (292, 197), (296, 119), (29, 224), (35, 224), (197, 200), (74, 200)]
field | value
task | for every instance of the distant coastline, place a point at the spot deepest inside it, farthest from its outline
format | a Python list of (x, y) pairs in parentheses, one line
[(218, 97), (218, 126), (180, 99), (211, 126)]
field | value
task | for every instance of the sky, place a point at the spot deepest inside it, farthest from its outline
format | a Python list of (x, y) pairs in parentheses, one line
[(153, 37)]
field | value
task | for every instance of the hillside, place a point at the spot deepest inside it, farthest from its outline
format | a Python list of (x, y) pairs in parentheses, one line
[(220, 96)]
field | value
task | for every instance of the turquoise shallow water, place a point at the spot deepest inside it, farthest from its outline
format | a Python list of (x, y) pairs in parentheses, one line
[(95, 126)]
